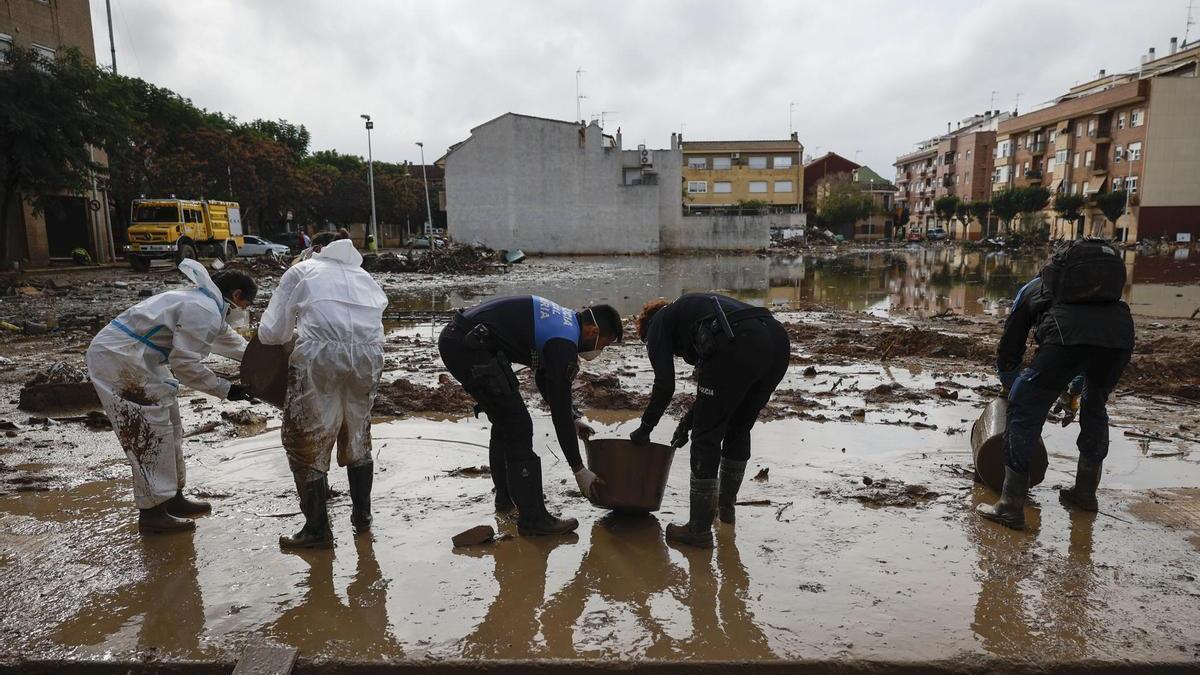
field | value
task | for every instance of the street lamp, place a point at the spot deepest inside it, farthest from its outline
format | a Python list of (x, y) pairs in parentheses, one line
[(372, 229), (428, 208)]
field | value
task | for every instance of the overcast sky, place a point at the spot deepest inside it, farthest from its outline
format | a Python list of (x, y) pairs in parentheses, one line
[(874, 77)]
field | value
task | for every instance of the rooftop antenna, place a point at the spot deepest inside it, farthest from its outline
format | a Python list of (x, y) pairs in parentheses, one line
[(992, 103), (791, 113), (1190, 22), (578, 96), (604, 115), (1017, 104)]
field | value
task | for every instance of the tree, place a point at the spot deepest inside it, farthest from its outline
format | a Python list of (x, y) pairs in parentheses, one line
[(945, 207), (842, 203), (963, 213), (982, 210), (1069, 207), (900, 216), (1005, 206), (1031, 200), (1111, 204), (51, 118)]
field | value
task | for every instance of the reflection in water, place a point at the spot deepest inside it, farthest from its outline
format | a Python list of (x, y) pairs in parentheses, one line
[(168, 600), (1031, 603)]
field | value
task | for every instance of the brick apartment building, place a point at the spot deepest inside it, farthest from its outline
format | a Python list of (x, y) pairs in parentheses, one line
[(719, 174), (1137, 131), (957, 163), (69, 221)]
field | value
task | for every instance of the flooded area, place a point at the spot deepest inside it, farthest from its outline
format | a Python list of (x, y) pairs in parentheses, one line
[(857, 549)]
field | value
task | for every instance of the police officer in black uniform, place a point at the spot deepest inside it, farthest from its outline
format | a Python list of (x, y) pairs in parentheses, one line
[(479, 347), (1082, 327), (741, 354)]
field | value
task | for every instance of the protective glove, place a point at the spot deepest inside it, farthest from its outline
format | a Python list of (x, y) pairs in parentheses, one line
[(588, 482), (682, 435), (238, 393), (1008, 378), (641, 435), (583, 430), (1068, 405)]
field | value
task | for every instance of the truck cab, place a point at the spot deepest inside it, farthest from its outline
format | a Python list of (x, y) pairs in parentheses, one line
[(183, 228)]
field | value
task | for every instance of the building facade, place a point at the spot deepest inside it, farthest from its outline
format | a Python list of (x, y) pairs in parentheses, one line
[(1136, 132), (69, 221), (829, 164), (720, 175), (880, 223)]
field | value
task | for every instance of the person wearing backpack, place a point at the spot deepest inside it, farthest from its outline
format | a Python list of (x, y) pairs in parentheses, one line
[(1082, 328)]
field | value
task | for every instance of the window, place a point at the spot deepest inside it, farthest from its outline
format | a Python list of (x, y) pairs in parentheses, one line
[(1054, 135), (1050, 165), (43, 51), (1087, 158), (758, 186), (968, 154), (1083, 188), (1131, 185), (783, 186), (1118, 184), (1061, 157), (720, 163), (1135, 151), (6, 44), (1118, 153), (1092, 127), (697, 187), (758, 162), (697, 163), (1078, 131), (1135, 118), (967, 176), (1072, 189), (782, 162), (722, 187), (1075, 160), (1120, 120), (1026, 167)]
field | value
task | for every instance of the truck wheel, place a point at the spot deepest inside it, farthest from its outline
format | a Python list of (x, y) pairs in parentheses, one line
[(186, 251), (139, 263)]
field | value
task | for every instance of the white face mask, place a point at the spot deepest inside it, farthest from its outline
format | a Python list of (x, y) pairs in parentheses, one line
[(237, 317), (595, 351)]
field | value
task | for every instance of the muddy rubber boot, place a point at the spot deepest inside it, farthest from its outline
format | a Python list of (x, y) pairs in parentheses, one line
[(504, 503), (1010, 510), (698, 529), (183, 507), (361, 477), (316, 532), (156, 520), (731, 476), (1087, 480), (525, 486)]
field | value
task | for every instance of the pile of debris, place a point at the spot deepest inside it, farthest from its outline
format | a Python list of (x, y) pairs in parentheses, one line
[(453, 259), (604, 392), (402, 397)]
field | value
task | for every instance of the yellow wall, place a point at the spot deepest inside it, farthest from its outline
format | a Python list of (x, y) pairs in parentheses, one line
[(739, 178)]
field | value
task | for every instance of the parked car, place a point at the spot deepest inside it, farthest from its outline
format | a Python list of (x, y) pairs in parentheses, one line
[(256, 246), (423, 242), (938, 234), (288, 239), (915, 235)]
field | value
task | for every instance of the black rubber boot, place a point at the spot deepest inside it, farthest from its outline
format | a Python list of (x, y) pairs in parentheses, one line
[(157, 520), (525, 486), (504, 503), (316, 532), (698, 530), (1010, 510), (1087, 480), (731, 476), (187, 508), (361, 477)]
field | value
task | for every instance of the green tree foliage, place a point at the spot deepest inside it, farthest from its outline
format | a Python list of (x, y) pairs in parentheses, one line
[(945, 207), (982, 210), (1006, 205), (1111, 204), (842, 204), (1069, 207), (963, 213)]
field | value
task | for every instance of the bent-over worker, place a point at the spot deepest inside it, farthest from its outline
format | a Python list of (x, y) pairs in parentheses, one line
[(741, 355), (336, 310), (138, 363), (479, 347)]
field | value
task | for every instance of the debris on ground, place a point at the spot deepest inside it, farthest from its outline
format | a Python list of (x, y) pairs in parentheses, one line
[(605, 392), (888, 492), (401, 397), (762, 475), (59, 372), (470, 472), (476, 535), (454, 259), (244, 417)]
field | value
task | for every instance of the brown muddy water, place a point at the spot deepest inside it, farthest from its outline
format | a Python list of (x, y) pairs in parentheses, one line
[(916, 280)]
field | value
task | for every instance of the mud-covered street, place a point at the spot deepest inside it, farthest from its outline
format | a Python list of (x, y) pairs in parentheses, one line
[(856, 543)]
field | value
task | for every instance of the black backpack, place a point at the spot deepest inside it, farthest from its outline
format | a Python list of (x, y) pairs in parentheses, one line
[(1087, 270)]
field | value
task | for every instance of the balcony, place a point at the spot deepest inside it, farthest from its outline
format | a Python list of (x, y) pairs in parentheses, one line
[(1037, 147), (1099, 168), (1034, 176), (948, 180), (1101, 134)]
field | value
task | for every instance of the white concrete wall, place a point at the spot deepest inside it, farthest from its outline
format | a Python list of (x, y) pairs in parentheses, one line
[(725, 232), (1172, 149)]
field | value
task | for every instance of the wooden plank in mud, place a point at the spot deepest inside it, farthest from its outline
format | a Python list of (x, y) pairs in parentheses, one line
[(263, 659)]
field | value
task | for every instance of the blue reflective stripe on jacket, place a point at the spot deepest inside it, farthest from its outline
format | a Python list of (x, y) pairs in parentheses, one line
[(220, 301), (550, 321), (144, 339)]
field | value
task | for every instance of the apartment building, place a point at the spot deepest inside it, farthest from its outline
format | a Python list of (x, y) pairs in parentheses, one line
[(69, 221), (1137, 132), (957, 163), (718, 175), (825, 166)]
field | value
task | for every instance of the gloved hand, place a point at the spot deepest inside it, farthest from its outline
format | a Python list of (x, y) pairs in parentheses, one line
[(681, 436), (588, 482), (641, 435), (1008, 378), (583, 430), (238, 393), (1068, 405)]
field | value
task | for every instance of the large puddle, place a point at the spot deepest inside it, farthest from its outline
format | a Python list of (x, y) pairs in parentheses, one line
[(918, 280)]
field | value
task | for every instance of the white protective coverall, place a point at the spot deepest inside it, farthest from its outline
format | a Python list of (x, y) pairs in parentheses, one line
[(333, 372), (137, 363)]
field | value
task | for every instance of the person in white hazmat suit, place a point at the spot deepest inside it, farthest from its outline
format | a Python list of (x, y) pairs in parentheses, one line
[(139, 361), (336, 310)]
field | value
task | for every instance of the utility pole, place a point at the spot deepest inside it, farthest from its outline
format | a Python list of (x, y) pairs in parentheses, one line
[(578, 96), (372, 228), (428, 208), (112, 46), (791, 121)]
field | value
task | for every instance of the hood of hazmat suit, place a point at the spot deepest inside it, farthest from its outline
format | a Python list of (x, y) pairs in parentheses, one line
[(138, 362), (334, 310)]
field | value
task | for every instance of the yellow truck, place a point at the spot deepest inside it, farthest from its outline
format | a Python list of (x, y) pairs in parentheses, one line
[(183, 228)]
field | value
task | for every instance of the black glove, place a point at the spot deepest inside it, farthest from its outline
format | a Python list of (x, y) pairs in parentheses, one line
[(641, 435), (681, 436), (238, 393)]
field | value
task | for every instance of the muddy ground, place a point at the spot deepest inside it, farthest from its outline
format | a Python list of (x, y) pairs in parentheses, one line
[(856, 548)]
